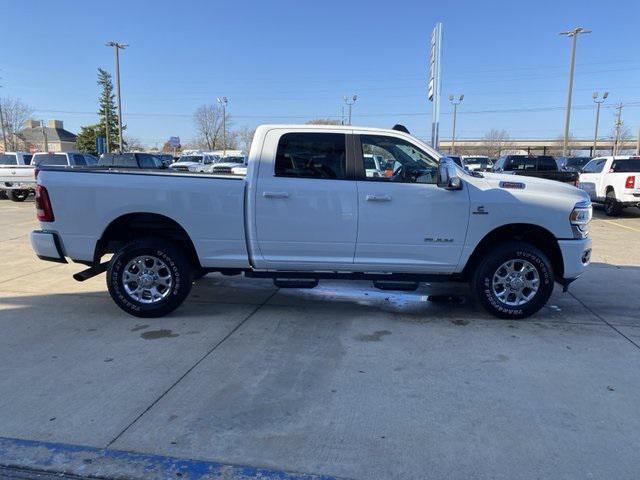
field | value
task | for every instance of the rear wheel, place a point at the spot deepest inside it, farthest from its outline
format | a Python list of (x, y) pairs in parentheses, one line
[(18, 195), (612, 207), (149, 278), (3, 195), (514, 280)]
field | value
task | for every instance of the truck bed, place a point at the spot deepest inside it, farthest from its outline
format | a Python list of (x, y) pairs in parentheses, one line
[(210, 208), (559, 175)]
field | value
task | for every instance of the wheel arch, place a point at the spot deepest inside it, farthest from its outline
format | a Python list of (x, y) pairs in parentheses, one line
[(130, 226), (535, 235)]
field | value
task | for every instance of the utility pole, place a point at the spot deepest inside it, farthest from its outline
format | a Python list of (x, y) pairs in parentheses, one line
[(567, 120), (618, 128), (598, 103), (349, 102), (638, 143), (223, 101), (455, 101), (117, 47), (106, 129)]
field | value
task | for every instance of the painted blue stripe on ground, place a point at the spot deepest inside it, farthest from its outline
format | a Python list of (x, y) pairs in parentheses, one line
[(90, 461)]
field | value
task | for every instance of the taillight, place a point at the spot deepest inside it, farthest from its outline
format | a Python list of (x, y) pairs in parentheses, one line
[(43, 205), (630, 183)]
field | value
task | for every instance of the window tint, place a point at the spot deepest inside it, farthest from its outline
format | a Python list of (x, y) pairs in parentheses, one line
[(521, 163), (78, 159), (50, 159), (408, 164), (631, 165), (90, 159), (547, 163), (8, 160), (27, 159), (311, 155), (148, 161), (457, 160)]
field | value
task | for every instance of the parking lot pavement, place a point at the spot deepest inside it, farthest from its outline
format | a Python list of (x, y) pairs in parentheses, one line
[(340, 380)]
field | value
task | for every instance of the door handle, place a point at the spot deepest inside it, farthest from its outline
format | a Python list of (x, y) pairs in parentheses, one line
[(275, 194), (378, 198)]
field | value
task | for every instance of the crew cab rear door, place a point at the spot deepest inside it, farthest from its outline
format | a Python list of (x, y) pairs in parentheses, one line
[(406, 222), (305, 201)]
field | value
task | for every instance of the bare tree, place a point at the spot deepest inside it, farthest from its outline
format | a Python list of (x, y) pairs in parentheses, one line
[(15, 114), (323, 121), (245, 137), (208, 120), (623, 140), (132, 144), (495, 141), (557, 148)]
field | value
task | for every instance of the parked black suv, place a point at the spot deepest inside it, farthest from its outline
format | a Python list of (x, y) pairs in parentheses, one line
[(132, 160)]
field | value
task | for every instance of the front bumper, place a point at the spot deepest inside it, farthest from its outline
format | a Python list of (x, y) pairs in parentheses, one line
[(576, 256), (47, 246)]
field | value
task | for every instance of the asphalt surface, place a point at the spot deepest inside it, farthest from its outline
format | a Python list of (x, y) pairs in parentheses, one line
[(342, 380)]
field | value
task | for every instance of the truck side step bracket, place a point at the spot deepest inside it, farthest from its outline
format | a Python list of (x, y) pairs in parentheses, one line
[(391, 285), (295, 282)]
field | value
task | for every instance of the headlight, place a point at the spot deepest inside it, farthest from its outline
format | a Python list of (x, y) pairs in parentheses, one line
[(581, 213)]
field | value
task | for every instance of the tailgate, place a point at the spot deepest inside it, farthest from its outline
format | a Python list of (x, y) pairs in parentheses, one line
[(17, 174)]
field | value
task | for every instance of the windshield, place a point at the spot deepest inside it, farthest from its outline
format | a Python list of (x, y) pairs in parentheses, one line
[(191, 158), (50, 159), (483, 162), (233, 159), (631, 165)]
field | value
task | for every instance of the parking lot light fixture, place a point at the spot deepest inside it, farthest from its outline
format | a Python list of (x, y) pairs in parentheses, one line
[(455, 101), (117, 47), (598, 102), (350, 102), (567, 120)]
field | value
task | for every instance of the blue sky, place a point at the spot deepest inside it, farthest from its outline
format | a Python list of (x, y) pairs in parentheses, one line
[(289, 61)]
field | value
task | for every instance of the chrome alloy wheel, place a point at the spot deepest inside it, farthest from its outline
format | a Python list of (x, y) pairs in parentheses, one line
[(515, 282), (147, 279)]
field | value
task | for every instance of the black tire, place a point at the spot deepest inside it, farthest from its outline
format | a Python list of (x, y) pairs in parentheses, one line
[(18, 195), (176, 267), (612, 207), (490, 265), (3, 195)]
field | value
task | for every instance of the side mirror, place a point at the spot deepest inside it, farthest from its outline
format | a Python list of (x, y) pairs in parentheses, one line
[(448, 175)]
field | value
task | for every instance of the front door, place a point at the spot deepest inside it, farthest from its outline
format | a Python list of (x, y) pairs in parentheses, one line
[(306, 203), (406, 222)]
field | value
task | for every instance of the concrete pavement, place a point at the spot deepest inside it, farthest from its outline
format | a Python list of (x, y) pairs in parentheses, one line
[(341, 380)]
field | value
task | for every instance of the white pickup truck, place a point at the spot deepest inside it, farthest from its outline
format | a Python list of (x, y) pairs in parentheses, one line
[(613, 181), (307, 211), (16, 175)]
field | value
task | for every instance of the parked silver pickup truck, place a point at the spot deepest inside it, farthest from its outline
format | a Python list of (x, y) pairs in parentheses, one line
[(16, 175)]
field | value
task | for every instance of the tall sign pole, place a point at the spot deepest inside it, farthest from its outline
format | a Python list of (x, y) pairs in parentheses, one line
[(434, 85)]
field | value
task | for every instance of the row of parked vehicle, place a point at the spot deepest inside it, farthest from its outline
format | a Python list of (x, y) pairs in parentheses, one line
[(611, 181), (17, 179)]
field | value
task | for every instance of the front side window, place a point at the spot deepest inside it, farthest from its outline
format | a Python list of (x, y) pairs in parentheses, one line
[(405, 163), (8, 160), (312, 155), (546, 163), (78, 159)]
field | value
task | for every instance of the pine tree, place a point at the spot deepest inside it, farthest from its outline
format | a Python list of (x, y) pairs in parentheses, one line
[(107, 107), (86, 139)]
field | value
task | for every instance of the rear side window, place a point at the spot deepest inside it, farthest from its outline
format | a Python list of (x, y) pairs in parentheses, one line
[(312, 155), (148, 161), (78, 159), (521, 163), (27, 159), (547, 163), (631, 166), (8, 160), (50, 159)]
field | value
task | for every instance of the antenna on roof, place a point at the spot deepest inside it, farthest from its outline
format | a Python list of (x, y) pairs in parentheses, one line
[(400, 128)]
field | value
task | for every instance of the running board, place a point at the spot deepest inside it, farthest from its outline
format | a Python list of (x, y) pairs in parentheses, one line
[(391, 285), (295, 282), (91, 272)]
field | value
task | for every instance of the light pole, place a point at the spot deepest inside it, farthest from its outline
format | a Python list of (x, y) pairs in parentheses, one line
[(618, 128), (455, 101), (598, 103), (223, 101), (567, 120), (350, 101), (117, 47)]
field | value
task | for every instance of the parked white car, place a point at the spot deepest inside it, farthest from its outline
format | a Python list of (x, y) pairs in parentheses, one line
[(194, 161), (307, 211), (373, 165), (17, 180), (613, 181)]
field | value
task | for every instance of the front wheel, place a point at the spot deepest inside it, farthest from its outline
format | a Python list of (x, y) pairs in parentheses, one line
[(18, 195), (514, 280), (149, 278)]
